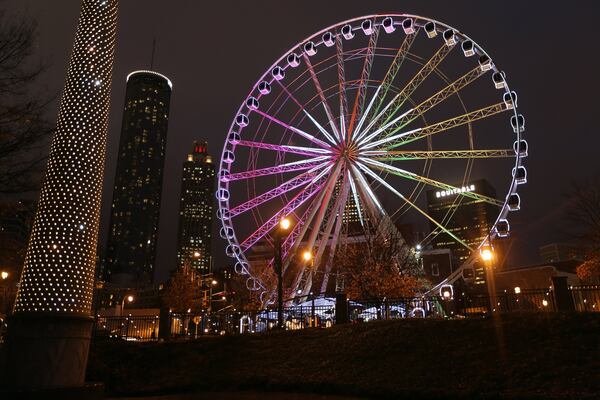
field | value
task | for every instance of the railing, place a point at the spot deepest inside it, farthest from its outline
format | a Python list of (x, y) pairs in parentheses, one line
[(239, 322), (191, 326), (131, 328), (586, 298)]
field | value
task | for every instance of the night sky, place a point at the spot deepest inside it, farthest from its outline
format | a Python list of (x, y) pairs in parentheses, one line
[(215, 51)]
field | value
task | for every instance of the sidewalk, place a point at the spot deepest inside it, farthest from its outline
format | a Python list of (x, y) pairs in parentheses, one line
[(240, 396)]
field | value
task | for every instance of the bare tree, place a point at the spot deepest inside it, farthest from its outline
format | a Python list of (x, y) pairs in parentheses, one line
[(379, 265), (24, 131), (584, 217)]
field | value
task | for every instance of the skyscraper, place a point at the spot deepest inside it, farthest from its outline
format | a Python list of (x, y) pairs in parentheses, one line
[(471, 220), (196, 209), (133, 233)]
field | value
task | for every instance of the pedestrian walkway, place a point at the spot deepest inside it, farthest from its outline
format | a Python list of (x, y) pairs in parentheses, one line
[(242, 396)]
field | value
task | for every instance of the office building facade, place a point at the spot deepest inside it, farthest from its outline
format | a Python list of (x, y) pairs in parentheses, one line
[(196, 210), (469, 219), (133, 233)]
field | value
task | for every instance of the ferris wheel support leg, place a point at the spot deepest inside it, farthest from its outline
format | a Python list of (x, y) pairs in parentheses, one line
[(316, 227), (338, 217)]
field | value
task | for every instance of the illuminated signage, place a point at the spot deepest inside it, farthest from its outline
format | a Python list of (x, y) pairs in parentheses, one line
[(451, 192)]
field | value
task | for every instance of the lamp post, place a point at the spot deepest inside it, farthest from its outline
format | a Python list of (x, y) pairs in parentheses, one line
[(129, 299), (283, 227), (4, 310), (487, 255)]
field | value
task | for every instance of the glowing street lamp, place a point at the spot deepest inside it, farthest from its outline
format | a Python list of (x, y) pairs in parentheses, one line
[(4, 275), (487, 253), (307, 255), (517, 290), (284, 225)]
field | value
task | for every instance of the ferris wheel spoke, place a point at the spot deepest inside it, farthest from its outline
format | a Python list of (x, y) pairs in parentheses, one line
[(413, 205), (394, 67), (313, 120), (341, 81), (383, 155), (272, 222), (320, 128), (356, 200), (399, 99), (317, 84), (434, 100), (378, 131), (363, 117), (417, 80), (420, 133), (307, 151), (428, 181), (288, 167), (285, 187), (361, 93), (371, 201), (294, 129)]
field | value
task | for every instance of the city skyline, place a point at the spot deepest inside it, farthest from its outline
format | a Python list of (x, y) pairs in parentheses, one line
[(535, 192)]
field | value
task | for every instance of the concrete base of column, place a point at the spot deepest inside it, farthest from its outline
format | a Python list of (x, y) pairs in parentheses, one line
[(45, 351)]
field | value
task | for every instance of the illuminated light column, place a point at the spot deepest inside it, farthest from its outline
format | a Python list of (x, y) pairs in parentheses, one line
[(48, 338)]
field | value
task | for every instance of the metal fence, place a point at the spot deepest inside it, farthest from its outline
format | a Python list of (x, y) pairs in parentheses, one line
[(134, 328), (586, 298), (191, 326), (238, 322)]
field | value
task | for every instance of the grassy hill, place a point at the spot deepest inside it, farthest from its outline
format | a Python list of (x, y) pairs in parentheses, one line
[(521, 356)]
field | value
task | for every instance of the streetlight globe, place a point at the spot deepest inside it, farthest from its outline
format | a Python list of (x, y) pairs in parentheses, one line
[(517, 290), (487, 253), (307, 255), (130, 299), (285, 224), (214, 282), (4, 275)]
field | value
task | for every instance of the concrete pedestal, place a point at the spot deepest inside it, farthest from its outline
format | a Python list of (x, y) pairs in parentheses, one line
[(45, 351)]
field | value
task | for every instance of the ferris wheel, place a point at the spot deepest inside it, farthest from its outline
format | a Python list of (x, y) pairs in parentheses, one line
[(359, 124)]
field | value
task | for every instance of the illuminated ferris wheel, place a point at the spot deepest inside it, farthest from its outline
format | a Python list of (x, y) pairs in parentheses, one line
[(369, 116)]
